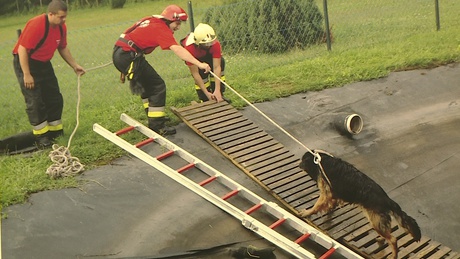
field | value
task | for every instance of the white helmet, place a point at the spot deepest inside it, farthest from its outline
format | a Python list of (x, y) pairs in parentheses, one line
[(204, 35)]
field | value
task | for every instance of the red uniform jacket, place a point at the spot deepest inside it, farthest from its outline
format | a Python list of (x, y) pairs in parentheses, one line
[(34, 31)]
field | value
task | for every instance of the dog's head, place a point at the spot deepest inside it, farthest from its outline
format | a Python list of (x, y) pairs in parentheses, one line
[(308, 162)]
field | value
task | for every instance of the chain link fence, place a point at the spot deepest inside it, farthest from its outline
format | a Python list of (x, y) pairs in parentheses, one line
[(239, 24)]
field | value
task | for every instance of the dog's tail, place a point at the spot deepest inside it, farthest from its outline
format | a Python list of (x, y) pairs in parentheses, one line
[(406, 221)]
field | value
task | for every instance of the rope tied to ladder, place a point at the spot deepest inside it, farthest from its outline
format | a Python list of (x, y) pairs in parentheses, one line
[(64, 164)]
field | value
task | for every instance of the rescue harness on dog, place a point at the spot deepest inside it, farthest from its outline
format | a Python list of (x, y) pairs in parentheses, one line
[(317, 160)]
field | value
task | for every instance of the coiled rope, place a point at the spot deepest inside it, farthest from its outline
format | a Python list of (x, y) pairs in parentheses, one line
[(317, 156), (64, 164)]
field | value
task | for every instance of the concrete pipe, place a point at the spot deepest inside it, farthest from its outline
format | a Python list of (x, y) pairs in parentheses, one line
[(350, 124)]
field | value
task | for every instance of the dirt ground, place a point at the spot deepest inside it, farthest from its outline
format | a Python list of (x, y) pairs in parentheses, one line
[(409, 144)]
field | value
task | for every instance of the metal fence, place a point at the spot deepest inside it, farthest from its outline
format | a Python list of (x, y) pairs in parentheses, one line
[(352, 26)]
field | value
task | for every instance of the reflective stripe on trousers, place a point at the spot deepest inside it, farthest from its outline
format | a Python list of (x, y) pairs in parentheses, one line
[(154, 94), (207, 82), (46, 126), (44, 102)]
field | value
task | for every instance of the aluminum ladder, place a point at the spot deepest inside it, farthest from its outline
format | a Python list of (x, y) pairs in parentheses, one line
[(305, 231)]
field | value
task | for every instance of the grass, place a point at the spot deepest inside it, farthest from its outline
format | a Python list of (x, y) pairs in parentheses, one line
[(370, 41)]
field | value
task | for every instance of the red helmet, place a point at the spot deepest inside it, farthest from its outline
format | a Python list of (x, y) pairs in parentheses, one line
[(174, 13)]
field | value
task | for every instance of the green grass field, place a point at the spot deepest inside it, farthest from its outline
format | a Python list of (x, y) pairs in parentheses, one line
[(370, 41)]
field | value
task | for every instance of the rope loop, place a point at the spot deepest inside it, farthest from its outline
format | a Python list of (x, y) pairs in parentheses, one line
[(64, 164), (317, 161), (317, 158)]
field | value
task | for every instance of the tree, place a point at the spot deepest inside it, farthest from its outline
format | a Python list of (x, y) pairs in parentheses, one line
[(267, 26)]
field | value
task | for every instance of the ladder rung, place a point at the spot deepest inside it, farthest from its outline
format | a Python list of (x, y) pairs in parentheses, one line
[(280, 216), (253, 208), (230, 194), (277, 223), (125, 130), (210, 179), (144, 142), (165, 155), (302, 238), (328, 253), (186, 167)]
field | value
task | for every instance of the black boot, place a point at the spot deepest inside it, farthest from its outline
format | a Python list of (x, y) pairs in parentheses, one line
[(54, 134), (43, 141), (158, 125)]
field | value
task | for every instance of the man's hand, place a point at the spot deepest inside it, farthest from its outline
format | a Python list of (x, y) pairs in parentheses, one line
[(205, 67), (29, 82), (210, 96), (218, 96), (79, 70)]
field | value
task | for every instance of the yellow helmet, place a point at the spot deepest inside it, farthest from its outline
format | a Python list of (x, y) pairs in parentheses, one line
[(204, 35)]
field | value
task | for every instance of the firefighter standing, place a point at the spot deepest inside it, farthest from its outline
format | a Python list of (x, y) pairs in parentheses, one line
[(202, 43), (36, 45), (128, 57)]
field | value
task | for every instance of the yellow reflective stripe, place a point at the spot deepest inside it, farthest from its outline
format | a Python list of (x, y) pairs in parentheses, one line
[(55, 127), (145, 103), (206, 84), (41, 128), (40, 131), (130, 71), (156, 114)]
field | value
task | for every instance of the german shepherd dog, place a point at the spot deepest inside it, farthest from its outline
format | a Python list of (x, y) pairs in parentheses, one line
[(346, 184)]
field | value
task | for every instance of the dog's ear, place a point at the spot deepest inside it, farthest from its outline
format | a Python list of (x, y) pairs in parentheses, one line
[(308, 156)]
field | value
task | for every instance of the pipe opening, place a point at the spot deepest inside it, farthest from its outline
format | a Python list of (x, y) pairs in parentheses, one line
[(349, 123), (354, 124)]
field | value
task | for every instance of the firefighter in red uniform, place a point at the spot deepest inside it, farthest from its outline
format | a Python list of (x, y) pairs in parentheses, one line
[(202, 43), (32, 53), (128, 57)]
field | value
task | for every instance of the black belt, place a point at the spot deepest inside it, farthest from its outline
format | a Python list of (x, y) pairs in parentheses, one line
[(131, 44)]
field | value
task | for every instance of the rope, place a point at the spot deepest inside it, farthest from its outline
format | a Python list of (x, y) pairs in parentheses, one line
[(317, 161), (261, 113), (64, 164), (317, 156)]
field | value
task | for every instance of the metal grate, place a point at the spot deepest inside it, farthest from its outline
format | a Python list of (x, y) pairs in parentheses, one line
[(276, 169)]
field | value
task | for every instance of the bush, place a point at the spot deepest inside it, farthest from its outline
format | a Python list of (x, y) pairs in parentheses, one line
[(267, 26), (118, 3)]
